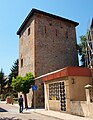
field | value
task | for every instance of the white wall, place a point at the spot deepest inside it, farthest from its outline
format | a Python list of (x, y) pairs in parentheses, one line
[(82, 108)]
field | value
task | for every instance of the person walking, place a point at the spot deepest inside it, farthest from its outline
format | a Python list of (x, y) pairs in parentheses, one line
[(20, 101)]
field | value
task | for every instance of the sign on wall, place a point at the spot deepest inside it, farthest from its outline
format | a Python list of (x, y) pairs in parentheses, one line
[(34, 87)]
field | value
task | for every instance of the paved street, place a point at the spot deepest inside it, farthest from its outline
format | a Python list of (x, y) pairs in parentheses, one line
[(10, 112)]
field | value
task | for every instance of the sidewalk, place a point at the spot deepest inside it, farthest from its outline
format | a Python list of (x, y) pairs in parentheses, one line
[(57, 114), (60, 115)]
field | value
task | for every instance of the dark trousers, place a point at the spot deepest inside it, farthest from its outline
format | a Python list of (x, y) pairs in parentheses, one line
[(21, 108)]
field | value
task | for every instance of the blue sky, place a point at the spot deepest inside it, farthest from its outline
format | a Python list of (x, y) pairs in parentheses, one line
[(13, 13)]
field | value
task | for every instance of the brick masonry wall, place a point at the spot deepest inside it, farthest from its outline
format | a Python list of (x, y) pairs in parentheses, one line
[(39, 94), (50, 46), (26, 49), (55, 44)]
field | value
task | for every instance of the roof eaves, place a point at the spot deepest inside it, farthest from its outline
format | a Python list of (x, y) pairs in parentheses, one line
[(55, 16), (25, 21), (44, 13)]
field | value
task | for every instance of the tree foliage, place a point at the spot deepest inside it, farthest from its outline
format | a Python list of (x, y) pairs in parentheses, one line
[(2, 80), (23, 84), (14, 71), (82, 48)]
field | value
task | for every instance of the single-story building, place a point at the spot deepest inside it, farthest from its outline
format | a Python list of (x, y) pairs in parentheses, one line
[(63, 86)]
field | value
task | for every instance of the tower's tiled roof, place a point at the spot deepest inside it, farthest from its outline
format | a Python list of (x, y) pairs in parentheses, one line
[(44, 13)]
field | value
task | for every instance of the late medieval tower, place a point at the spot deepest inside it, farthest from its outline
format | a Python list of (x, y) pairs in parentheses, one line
[(46, 43)]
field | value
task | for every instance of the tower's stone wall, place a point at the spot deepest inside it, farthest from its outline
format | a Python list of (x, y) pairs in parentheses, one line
[(26, 49), (55, 44)]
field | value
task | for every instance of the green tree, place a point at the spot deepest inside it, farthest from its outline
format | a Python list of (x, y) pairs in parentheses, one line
[(2, 80), (2, 83), (23, 84), (82, 49), (14, 71)]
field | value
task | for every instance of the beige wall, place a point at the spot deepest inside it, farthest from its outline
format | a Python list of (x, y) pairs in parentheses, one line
[(82, 108), (30, 98), (77, 90), (54, 105), (74, 92)]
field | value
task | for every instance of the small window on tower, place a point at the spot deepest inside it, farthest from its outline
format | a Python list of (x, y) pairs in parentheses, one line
[(56, 32), (28, 31), (50, 24), (67, 34), (21, 62), (45, 29)]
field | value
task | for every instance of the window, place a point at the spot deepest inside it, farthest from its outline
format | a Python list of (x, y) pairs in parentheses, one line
[(45, 29), (67, 34), (21, 62), (28, 31), (54, 91), (50, 24), (61, 27), (56, 32)]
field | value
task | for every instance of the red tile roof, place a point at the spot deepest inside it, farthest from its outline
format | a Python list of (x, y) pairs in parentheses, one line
[(65, 72)]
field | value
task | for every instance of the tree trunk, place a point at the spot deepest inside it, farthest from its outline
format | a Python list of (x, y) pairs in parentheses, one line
[(2, 97), (25, 97)]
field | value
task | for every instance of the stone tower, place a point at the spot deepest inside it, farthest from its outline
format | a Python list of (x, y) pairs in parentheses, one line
[(46, 43)]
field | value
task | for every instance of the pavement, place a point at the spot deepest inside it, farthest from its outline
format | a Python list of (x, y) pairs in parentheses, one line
[(60, 115), (55, 114)]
